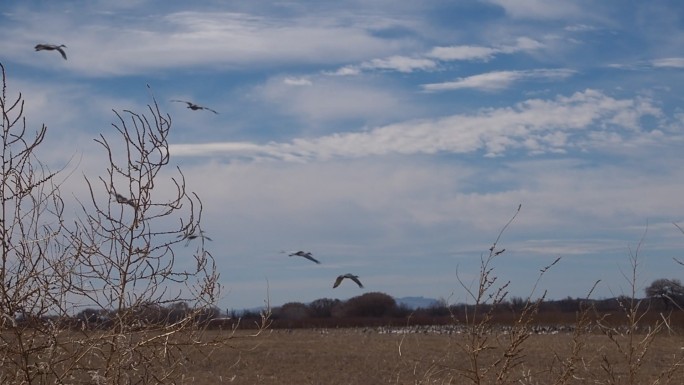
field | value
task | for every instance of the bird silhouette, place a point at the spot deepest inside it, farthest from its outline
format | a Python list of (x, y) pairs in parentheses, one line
[(52, 47), (304, 254), (189, 237), (122, 199), (194, 106), (353, 277)]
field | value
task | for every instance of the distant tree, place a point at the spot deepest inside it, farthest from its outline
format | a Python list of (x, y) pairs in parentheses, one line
[(669, 291), (151, 314), (439, 308), (401, 310), (292, 311), (178, 311), (207, 314), (570, 304), (373, 304), (89, 316), (322, 307), (517, 303)]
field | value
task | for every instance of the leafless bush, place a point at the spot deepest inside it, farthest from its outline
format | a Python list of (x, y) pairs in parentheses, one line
[(634, 341), (489, 354), (133, 265), (33, 274)]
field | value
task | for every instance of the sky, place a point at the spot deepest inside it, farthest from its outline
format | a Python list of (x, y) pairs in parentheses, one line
[(392, 140)]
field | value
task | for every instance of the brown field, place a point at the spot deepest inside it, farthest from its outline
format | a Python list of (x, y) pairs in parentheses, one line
[(364, 356)]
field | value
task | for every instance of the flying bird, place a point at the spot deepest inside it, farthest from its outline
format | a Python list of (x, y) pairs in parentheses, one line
[(52, 47), (305, 254), (353, 277), (122, 199), (189, 237), (194, 106)]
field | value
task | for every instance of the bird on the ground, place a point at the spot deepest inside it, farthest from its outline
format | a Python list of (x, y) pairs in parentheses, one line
[(353, 277), (194, 106), (305, 254), (52, 47)]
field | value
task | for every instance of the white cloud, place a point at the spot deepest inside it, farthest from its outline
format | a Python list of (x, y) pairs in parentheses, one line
[(400, 64), (344, 71), (185, 39), (488, 81), (498, 80), (672, 62), (330, 98), (430, 60), (536, 125), (297, 81), (463, 52)]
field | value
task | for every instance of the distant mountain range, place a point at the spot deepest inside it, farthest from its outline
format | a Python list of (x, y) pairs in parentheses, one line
[(416, 302)]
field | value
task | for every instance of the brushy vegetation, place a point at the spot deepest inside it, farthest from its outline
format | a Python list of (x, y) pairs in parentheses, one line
[(102, 300), (117, 258)]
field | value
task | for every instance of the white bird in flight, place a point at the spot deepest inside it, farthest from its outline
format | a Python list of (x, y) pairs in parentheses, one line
[(353, 277), (305, 254), (52, 47)]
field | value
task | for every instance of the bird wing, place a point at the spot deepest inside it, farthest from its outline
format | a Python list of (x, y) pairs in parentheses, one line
[(356, 279), (181, 101), (62, 52), (206, 108), (310, 258), (338, 281)]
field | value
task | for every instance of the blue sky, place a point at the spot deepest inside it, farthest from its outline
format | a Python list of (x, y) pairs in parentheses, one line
[(392, 140)]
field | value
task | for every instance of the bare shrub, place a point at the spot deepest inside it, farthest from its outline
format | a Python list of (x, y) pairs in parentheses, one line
[(635, 340), (490, 354), (129, 241), (33, 274), (123, 295)]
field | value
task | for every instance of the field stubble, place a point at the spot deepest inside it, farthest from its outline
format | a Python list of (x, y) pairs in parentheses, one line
[(351, 356)]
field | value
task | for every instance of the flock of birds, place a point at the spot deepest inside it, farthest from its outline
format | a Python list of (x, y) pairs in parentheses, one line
[(60, 49), (338, 280), (195, 107)]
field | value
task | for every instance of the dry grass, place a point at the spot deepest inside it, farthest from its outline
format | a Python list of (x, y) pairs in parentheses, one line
[(351, 356)]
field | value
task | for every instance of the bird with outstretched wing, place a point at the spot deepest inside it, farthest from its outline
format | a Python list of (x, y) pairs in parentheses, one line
[(194, 106), (353, 277), (304, 254), (52, 47)]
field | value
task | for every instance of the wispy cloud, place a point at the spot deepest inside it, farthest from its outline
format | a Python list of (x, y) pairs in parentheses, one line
[(533, 126), (400, 64), (432, 58), (498, 80), (645, 65), (319, 99), (297, 81), (469, 52), (671, 62), (184, 39)]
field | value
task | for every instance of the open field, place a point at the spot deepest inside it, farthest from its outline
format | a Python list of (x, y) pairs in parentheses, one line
[(358, 356)]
